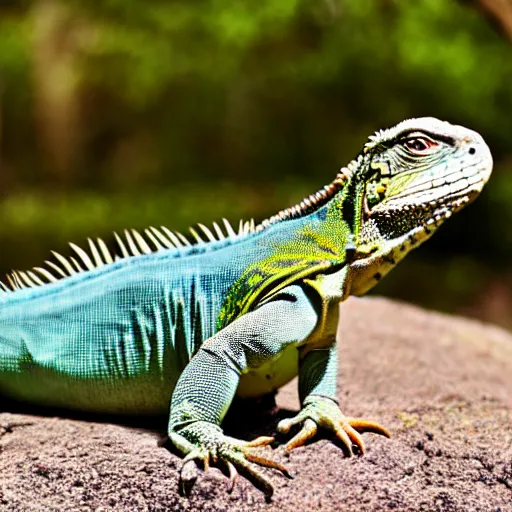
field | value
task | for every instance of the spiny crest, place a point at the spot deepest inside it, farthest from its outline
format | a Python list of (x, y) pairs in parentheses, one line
[(153, 240), (313, 201), (131, 244)]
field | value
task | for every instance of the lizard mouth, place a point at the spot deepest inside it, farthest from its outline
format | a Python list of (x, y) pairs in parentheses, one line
[(424, 201), (420, 209), (411, 215)]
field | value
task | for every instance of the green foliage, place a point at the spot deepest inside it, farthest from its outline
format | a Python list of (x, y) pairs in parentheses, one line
[(14, 54), (14, 66)]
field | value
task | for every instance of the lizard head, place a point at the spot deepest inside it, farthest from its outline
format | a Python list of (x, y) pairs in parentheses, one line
[(417, 174), (405, 183), (409, 180)]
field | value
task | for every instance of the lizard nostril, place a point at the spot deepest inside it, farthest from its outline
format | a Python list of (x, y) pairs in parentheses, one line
[(472, 150)]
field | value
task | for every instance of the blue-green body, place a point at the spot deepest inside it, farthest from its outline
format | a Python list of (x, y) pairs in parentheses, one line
[(116, 338)]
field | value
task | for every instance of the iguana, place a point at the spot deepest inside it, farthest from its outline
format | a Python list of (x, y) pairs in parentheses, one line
[(166, 324)]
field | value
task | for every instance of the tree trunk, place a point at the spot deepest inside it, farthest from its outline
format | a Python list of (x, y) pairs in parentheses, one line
[(500, 11), (56, 80)]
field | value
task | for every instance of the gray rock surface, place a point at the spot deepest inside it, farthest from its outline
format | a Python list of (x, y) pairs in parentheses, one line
[(441, 384)]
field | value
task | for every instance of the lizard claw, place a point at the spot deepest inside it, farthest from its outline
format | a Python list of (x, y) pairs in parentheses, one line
[(205, 442), (308, 431), (362, 426), (259, 441), (323, 412), (233, 475), (188, 477), (268, 463)]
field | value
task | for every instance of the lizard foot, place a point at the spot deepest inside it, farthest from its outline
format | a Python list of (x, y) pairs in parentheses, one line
[(325, 413), (204, 442)]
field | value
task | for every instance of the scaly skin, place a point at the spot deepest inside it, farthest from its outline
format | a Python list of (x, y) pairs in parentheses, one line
[(193, 326)]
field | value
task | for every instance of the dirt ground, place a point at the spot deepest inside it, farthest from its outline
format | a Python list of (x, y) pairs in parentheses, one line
[(442, 385)]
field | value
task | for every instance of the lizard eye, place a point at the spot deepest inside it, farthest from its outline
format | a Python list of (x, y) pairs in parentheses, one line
[(419, 145)]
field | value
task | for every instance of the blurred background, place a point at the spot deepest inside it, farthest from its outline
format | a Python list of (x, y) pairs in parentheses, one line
[(128, 113)]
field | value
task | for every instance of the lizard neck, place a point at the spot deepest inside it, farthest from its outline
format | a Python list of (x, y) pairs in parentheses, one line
[(294, 249), (383, 256)]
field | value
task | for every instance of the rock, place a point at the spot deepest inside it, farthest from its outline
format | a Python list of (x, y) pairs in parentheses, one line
[(441, 384)]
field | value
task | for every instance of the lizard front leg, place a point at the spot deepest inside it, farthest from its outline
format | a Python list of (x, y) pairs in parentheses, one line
[(206, 387), (317, 391)]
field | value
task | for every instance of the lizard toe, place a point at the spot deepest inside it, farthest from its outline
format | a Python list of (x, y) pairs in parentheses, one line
[(188, 477), (361, 425), (307, 432)]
